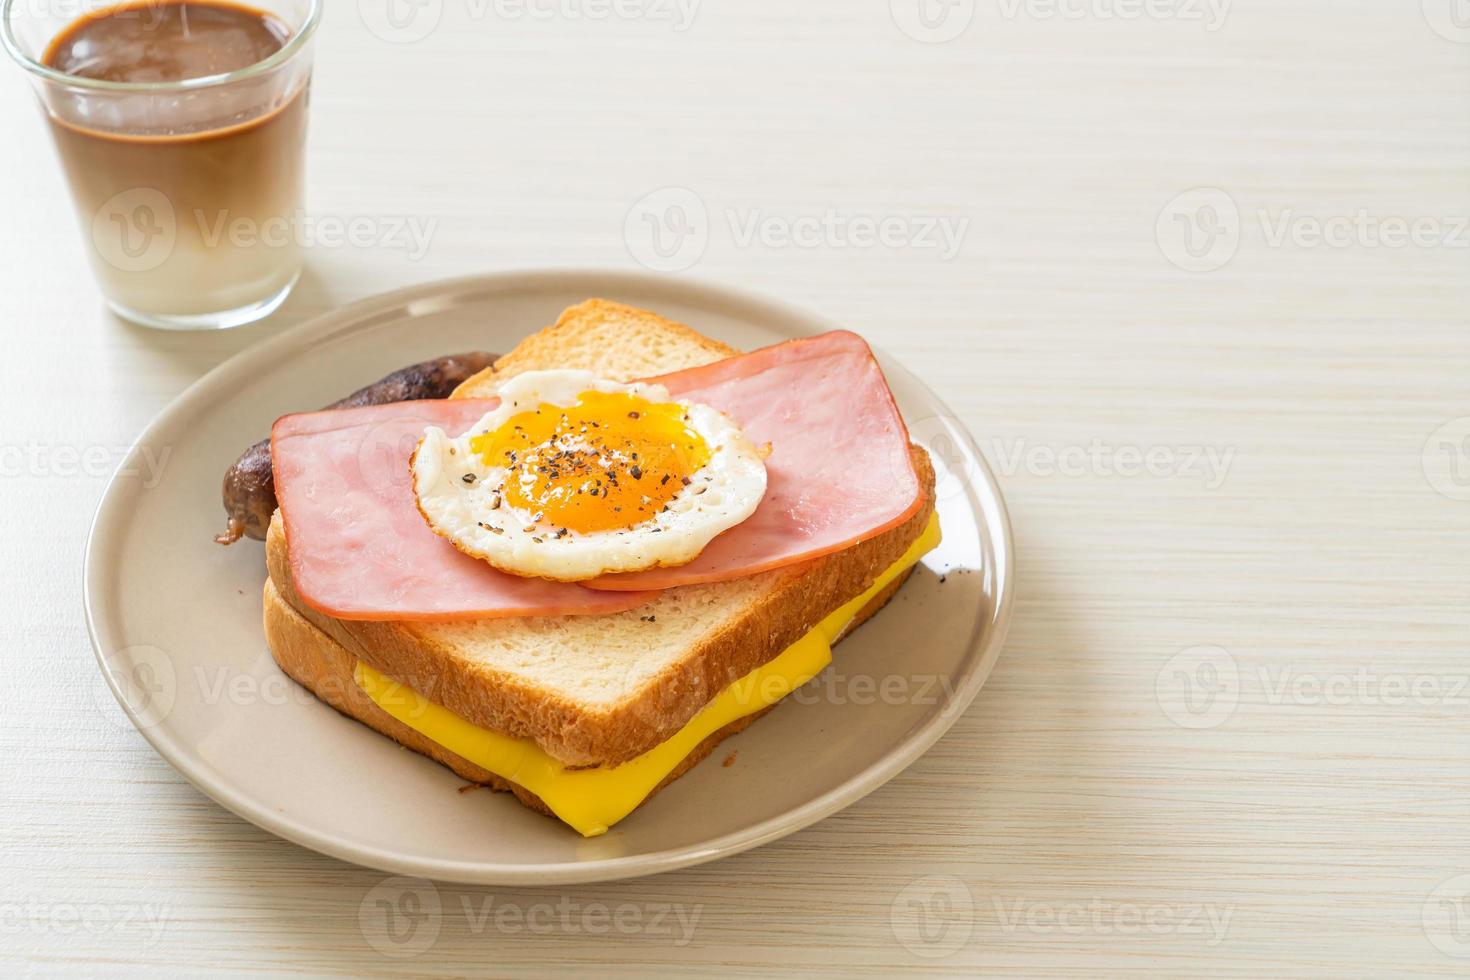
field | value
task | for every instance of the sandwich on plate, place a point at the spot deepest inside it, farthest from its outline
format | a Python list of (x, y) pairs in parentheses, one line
[(616, 546)]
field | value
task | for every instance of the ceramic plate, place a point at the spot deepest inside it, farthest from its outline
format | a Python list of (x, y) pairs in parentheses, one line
[(176, 618)]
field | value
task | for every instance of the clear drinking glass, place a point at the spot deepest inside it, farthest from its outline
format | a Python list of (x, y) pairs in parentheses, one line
[(189, 193)]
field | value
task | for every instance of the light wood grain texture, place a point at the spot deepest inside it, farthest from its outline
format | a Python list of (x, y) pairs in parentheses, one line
[(1086, 831)]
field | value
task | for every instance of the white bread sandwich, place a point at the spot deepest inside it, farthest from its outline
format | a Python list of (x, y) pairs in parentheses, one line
[(585, 697)]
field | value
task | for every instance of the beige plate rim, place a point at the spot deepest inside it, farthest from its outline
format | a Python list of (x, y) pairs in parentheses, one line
[(102, 544)]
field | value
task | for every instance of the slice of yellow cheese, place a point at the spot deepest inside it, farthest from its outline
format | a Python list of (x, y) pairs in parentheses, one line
[(592, 800)]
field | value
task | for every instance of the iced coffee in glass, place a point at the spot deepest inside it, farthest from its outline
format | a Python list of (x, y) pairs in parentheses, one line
[(180, 126)]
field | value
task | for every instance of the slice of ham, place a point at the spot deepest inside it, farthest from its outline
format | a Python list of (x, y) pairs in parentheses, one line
[(839, 471), (359, 548)]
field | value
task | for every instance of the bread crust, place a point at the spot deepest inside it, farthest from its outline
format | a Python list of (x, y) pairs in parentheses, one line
[(325, 668)]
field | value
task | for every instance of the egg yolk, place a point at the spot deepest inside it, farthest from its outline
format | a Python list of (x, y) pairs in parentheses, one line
[(611, 461)]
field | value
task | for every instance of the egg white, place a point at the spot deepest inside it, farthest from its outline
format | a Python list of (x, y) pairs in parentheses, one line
[(477, 519)]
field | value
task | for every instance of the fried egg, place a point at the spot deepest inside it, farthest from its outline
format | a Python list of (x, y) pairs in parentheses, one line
[(572, 476)]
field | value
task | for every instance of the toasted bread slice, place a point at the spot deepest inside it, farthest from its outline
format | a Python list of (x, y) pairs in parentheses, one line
[(601, 690), (611, 340)]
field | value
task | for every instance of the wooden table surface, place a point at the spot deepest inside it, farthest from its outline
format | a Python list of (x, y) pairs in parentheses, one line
[(1203, 303)]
